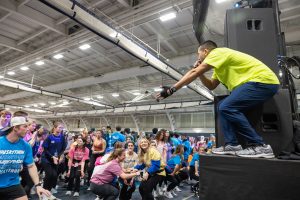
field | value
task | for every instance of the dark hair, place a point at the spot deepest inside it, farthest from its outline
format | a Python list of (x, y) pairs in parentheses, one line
[(127, 130), (20, 113), (118, 128), (118, 145), (159, 133), (130, 142), (84, 143), (154, 130), (208, 44)]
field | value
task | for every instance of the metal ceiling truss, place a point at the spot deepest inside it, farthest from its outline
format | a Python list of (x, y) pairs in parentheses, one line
[(89, 20), (39, 90), (129, 109)]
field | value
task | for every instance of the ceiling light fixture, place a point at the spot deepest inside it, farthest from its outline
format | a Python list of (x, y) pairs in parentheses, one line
[(167, 17), (52, 103), (87, 98), (40, 62), (184, 86), (100, 97), (11, 73), (115, 95), (1, 76), (84, 47), (24, 68), (58, 56), (136, 93)]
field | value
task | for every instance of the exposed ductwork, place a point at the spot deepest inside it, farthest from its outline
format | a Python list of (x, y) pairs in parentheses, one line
[(89, 20)]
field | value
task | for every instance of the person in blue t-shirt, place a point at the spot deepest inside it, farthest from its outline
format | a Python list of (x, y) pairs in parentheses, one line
[(53, 154), (15, 154), (194, 164), (187, 147), (172, 169), (111, 139)]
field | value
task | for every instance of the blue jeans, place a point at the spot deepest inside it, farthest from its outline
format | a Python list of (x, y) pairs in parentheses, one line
[(231, 111)]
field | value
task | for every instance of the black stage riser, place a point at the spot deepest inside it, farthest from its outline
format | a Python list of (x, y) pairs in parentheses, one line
[(233, 178)]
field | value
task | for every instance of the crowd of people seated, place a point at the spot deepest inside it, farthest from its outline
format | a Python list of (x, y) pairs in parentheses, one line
[(110, 163)]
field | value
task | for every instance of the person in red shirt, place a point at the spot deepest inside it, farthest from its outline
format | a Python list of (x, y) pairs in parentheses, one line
[(77, 157)]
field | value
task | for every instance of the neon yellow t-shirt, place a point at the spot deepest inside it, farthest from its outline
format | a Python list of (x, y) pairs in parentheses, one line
[(234, 68), (153, 154)]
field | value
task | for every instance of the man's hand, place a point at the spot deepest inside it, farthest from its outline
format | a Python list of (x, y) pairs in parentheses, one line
[(40, 191), (166, 92), (82, 174), (197, 63)]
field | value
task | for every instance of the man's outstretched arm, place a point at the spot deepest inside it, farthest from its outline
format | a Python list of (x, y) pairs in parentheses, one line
[(192, 75)]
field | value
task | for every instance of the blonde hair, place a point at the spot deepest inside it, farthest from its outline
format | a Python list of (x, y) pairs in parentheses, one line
[(115, 154), (141, 151)]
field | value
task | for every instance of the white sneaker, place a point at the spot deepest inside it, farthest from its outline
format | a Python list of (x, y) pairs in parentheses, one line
[(164, 188), (68, 192), (56, 187), (76, 194), (89, 188), (154, 194), (173, 192), (97, 198), (53, 191), (160, 191), (168, 195), (177, 189)]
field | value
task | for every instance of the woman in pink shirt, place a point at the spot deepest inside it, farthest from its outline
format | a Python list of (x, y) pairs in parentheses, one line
[(105, 177), (77, 157)]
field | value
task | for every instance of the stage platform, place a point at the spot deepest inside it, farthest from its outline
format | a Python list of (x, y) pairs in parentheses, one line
[(234, 178)]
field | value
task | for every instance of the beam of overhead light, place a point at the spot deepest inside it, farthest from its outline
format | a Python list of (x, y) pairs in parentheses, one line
[(167, 17), (24, 68), (85, 47), (115, 95), (40, 62), (11, 73), (58, 56)]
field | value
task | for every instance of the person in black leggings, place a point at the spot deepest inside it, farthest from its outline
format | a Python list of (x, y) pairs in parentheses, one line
[(54, 146)]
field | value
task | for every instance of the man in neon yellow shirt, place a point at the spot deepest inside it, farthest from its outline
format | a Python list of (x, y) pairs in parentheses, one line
[(250, 82)]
